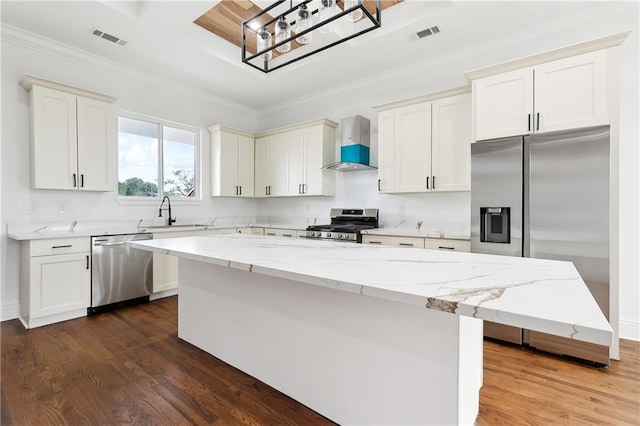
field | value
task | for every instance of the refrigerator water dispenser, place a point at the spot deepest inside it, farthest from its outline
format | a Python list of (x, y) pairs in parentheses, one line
[(495, 225)]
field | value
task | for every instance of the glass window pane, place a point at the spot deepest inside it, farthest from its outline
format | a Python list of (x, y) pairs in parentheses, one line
[(137, 158), (179, 162)]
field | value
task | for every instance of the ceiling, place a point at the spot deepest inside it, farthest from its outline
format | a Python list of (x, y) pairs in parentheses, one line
[(163, 40)]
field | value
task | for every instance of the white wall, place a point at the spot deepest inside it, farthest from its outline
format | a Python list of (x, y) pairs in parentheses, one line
[(22, 54)]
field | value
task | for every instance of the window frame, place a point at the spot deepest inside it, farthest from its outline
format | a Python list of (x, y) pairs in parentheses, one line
[(160, 123)]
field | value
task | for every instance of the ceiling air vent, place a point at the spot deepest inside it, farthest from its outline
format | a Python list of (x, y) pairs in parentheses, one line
[(428, 32), (109, 37)]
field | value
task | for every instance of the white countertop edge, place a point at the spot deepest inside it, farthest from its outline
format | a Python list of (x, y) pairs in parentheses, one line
[(597, 333)]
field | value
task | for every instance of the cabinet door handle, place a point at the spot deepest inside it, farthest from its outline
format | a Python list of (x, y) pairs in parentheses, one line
[(240, 189), (87, 262), (269, 189), (375, 242), (57, 247), (74, 180), (433, 182), (445, 248), (529, 122), (405, 244), (304, 188), (427, 182), (538, 121), (287, 235), (379, 185), (82, 180)]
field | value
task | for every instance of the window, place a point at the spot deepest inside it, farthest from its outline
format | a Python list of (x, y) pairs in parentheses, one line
[(150, 152)]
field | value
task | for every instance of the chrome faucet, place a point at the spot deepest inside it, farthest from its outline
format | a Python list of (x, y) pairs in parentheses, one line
[(170, 220)]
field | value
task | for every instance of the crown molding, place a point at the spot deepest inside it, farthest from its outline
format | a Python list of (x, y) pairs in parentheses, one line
[(589, 25), (29, 81), (44, 45), (549, 55)]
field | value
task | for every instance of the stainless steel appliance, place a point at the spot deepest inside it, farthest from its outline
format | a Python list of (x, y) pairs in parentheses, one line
[(546, 196), (345, 225), (120, 275)]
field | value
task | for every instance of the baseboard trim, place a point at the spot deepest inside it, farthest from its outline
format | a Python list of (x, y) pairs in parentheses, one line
[(629, 329), (164, 293), (9, 311)]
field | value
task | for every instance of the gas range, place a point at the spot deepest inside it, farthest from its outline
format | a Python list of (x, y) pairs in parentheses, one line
[(345, 225)]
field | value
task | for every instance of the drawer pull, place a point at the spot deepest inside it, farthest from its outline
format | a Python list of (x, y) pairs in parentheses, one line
[(375, 242), (271, 233), (445, 248), (287, 235), (57, 247), (406, 244)]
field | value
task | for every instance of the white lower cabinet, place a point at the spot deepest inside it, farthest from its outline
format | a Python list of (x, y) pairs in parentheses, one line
[(165, 267), (446, 244), (417, 242), (55, 280), (286, 233)]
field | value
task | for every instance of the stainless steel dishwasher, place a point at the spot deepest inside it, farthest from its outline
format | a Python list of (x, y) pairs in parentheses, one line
[(120, 275)]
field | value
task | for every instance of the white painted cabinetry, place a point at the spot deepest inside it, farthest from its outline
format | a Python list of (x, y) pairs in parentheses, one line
[(55, 280), (424, 147), (289, 160), (165, 267), (276, 232), (72, 137), (270, 166), (563, 94), (232, 162), (417, 242)]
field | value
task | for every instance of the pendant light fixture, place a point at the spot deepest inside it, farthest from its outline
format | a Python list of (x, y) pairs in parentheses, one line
[(303, 23), (283, 32), (326, 11), (263, 41), (298, 23)]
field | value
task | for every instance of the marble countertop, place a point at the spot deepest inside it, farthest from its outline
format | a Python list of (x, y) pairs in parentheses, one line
[(88, 228), (541, 295), (414, 232)]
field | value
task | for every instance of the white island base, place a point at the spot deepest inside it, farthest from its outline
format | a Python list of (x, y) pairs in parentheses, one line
[(354, 359)]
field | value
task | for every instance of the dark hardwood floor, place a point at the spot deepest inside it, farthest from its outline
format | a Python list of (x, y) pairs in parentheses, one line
[(128, 366)]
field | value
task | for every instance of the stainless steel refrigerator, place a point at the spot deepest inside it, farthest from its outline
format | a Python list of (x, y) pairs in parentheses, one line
[(546, 196)]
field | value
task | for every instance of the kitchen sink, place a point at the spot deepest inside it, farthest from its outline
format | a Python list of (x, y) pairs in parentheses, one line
[(172, 226)]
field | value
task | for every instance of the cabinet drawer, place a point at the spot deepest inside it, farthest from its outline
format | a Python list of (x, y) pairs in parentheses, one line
[(451, 245), (59, 246), (408, 242), (378, 240)]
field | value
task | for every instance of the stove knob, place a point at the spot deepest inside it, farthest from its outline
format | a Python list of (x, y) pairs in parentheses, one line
[(328, 234), (338, 236), (345, 236)]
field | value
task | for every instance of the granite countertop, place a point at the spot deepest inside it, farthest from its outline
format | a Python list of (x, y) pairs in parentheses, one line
[(541, 295)]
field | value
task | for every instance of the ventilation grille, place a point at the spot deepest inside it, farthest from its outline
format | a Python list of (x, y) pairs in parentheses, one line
[(109, 37), (428, 32)]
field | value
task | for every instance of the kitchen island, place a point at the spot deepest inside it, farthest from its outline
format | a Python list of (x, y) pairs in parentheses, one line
[(368, 335)]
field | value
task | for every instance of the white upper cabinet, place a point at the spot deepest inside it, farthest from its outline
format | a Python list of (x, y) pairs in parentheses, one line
[(571, 93), (270, 166), (232, 162), (424, 147), (289, 161), (450, 143), (72, 136), (564, 94), (503, 104)]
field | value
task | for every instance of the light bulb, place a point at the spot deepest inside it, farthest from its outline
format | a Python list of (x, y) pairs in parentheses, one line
[(283, 32), (263, 38), (302, 23), (326, 11), (356, 14)]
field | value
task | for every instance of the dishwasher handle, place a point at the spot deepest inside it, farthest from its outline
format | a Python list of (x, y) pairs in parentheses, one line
[(96, 244)]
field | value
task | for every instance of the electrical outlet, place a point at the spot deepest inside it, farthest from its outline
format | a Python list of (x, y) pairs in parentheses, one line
[(24, 208)]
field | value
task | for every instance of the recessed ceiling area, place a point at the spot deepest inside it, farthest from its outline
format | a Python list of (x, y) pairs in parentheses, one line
[(163, 41)]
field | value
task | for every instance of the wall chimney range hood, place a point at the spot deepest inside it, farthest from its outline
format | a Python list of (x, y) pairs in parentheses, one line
[(354, 150)]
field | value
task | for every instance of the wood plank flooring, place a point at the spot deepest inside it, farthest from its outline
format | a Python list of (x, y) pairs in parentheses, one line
[(128, 366)]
